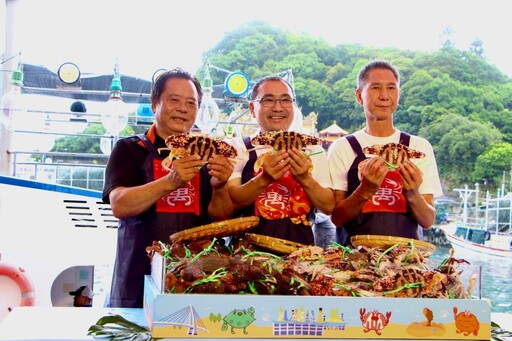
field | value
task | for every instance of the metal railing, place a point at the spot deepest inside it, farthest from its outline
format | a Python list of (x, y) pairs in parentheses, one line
[(82, 174)]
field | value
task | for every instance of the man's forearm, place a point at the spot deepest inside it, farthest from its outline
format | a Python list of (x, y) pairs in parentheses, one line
[(131, 201), (322, 198), (346, 209), (221, 206), (422, 209)]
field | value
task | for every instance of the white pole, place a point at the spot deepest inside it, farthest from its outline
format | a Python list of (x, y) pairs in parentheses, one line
[(10, 49), (10, 62), (503, 184), (477, 190)]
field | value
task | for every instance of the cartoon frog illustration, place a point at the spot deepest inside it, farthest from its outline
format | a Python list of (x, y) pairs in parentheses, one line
[(238, 318)]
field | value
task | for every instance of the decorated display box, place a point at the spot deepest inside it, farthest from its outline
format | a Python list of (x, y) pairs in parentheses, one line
[(329, 317)]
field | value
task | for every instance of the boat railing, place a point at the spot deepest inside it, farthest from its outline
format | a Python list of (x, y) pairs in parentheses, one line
[(80, 171)]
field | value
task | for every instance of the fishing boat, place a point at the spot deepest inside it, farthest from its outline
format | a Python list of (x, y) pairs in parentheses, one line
[(55, 237), (482, 230)]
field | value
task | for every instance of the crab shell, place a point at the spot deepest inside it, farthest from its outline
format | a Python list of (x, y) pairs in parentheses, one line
[(285, 140), (393, 153), (181, 145)]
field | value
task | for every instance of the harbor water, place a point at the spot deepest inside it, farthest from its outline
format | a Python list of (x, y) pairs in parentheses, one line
[(495, 279)]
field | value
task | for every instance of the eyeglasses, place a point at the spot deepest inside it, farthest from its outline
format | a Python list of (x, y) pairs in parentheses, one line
[(271, 102)]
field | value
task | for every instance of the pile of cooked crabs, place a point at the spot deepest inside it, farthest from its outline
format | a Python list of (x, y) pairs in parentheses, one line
[(240, 266), (225, 259)]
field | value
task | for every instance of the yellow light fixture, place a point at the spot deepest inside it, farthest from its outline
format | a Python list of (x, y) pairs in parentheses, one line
[(68, 73)]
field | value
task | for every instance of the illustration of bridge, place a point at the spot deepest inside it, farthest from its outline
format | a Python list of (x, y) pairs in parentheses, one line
[(186, 317)]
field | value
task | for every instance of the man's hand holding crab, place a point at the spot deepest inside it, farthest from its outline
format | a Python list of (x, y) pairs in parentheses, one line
[(372, 172), (184, 169), (220, 169), (301, 165), (274, 165)]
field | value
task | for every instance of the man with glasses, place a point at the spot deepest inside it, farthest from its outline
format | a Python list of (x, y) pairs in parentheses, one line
[(282, 187), (152, 202)]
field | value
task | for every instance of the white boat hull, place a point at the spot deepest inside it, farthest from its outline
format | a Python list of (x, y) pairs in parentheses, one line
[(465, 247), (47, 228)]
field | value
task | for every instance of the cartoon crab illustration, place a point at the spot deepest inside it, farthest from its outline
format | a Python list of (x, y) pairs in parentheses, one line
[(238, 318), (466, 322), (374, 320)]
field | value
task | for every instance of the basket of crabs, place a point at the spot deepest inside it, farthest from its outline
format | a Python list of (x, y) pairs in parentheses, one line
[(227, 258)]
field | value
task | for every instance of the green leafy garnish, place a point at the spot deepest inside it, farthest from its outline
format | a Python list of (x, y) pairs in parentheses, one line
[(205, 251), (403, 287), (116, 327), (410, 253), (384, 253), (213, 277)]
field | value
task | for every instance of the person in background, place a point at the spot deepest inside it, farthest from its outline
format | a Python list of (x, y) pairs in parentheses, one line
[(286, 187), (82, 296), (151, 202), (370, 197), (324, 230)]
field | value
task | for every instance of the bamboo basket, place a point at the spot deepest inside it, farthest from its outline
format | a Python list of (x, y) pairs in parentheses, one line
[(374, 241), (276, 245), (217, 229)]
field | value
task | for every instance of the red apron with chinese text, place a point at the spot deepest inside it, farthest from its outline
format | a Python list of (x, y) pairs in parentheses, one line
[(283, 198), (185, 199), (389, 197)]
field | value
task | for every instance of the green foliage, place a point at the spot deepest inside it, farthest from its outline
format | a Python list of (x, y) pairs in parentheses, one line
[(215, 317), (457, 143), (454, 98), (493, 163), (83, 143)]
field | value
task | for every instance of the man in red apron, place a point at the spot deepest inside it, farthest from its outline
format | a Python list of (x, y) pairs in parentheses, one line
[(282, 187), (153, 202), (372, 197)]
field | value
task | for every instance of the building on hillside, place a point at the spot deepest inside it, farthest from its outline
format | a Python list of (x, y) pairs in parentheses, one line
[(331, 133)]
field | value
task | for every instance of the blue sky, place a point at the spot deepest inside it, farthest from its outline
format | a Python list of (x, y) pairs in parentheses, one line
[(147, 35)]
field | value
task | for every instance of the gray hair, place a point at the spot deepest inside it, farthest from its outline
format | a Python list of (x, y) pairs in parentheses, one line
[(376, 64)]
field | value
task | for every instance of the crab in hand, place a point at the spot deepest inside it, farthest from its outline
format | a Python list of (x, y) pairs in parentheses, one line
[(393, 153), (181, 145), (282, 140)]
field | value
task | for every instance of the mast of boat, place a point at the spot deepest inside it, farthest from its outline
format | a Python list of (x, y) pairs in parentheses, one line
[(465, 193)]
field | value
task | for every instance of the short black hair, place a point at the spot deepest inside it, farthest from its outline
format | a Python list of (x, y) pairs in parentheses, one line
[(376, 64), (159, 83), (255, 88), (78, 106)]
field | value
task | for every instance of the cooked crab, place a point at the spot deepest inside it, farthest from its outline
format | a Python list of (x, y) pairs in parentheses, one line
[(282, 140), (181, 145), (285, 140), (393, 153)]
